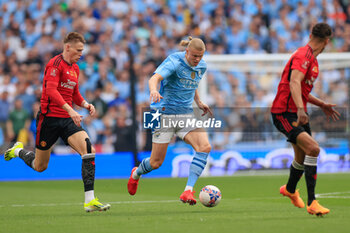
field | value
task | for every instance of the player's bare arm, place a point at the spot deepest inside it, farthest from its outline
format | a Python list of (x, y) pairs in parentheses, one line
[(153, 88), (327, 108), (295, 89), (205, 108), (89, 107)]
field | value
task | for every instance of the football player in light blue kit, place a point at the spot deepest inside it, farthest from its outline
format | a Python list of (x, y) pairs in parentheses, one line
[(178, 76)]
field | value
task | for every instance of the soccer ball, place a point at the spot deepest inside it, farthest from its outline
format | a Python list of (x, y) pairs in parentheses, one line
[(210, 196)]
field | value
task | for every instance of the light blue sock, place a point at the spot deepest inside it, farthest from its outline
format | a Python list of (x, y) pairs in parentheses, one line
[(197, 166), (144, 167)]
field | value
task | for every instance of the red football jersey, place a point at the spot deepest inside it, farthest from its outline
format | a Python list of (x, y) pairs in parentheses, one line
[(304, 61), (60, 86)]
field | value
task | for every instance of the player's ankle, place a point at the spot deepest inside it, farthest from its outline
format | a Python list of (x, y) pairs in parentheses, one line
[(135, 176)]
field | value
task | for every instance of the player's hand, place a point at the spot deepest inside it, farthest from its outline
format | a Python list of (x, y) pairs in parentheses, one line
[(91, 109), (205, 108), (330, 111), (155, 97), (76, 117), (303, 118)]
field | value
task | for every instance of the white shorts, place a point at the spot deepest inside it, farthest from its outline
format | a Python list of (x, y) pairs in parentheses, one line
[(171, 125)]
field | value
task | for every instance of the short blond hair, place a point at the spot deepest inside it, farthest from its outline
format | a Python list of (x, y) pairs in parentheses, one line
[(74, 37), (194, 43)]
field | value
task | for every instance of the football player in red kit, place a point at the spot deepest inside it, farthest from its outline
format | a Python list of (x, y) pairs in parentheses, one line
[(289, 113), (57, 118)]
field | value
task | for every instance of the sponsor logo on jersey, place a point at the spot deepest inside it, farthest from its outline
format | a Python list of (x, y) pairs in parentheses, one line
[(69, 84), (188, 83)]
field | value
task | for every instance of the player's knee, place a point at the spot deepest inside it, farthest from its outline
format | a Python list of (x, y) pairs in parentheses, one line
[(314, 151), (40, 167), (155, 164), (205, 148)]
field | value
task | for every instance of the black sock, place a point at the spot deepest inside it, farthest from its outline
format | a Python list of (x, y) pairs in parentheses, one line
[(296, 172), (310, 164), (88, 172), (310, 177), (27, 157)]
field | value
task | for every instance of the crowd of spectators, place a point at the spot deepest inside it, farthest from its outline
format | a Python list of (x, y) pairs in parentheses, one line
[(31, 33)]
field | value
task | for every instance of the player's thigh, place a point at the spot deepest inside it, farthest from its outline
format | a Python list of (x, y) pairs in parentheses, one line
[(198, 139), (78, 141), (299, 154), (307, 144), (158, 153), (47, 132), (42, 158)]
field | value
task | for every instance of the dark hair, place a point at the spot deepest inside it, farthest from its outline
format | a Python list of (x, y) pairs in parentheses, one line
[(74, 37), (322, 31)]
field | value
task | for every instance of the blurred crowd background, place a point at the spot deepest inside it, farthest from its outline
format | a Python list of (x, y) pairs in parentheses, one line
[(31, 33)]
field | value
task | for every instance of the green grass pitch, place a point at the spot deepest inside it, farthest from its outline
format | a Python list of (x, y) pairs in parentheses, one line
[(249, 204)]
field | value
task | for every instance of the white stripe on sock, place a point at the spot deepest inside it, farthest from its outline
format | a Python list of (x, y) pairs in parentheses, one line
[(310, 161)]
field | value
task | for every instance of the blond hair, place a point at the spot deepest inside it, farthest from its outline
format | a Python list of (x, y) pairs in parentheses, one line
[(74, 37), (194, 43)]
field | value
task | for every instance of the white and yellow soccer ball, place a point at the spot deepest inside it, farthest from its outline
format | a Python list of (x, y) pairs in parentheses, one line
[(210, 196)]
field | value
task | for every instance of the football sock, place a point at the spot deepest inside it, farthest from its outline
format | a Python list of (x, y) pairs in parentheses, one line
[(17, 150), (296, 172), (88, 171), (188, 188), (310, 164), (197, 166), (89, 196), (27, 156), (144, 168)]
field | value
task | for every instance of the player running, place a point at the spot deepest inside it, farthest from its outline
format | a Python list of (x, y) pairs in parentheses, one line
[(178, 76), (289, 113), (57, 118)]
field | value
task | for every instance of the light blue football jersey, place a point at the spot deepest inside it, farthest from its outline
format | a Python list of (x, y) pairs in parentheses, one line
[(179, 84)]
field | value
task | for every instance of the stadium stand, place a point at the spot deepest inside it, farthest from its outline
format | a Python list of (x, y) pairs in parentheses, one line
[(31, 33)]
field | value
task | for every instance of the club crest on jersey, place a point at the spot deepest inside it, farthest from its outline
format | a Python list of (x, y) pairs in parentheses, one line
[(193, 75), (305, 65), (73, 73)]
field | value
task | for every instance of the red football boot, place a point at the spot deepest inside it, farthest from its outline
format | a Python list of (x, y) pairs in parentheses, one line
[(132, 183), (188, 197)]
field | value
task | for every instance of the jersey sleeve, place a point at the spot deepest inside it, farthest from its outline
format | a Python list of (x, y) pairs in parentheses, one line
[(301, 63), (166, 69), (51, 79)]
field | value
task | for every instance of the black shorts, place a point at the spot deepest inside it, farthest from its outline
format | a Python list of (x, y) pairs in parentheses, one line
[(285, 123), (48, 129)]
